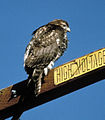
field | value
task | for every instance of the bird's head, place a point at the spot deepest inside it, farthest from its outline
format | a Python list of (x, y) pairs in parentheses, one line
[(63, 24)]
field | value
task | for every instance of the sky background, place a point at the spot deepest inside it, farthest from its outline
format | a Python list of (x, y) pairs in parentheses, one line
[(19, 18)]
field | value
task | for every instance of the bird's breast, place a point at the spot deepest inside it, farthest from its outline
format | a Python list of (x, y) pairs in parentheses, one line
[(63, 43)]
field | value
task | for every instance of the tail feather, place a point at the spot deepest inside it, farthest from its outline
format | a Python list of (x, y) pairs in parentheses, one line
[(35, 81)]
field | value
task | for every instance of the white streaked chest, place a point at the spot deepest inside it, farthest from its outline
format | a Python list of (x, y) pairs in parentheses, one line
[(65, 36), (58, 41)]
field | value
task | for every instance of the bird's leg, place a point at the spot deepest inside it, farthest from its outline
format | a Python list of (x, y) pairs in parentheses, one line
[(49, 67)]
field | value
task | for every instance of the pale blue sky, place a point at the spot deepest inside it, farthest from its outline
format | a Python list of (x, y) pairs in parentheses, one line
[(19, 18)]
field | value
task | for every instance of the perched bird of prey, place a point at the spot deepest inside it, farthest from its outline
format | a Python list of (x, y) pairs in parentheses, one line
[(47, 44)]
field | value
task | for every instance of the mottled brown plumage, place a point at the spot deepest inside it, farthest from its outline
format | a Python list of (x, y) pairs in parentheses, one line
[(48, 43)]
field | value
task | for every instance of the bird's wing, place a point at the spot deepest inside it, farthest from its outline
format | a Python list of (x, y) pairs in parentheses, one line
[(43, 47)]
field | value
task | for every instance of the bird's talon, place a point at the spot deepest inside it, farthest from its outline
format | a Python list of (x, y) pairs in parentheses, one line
[(50, 66), (46, 71)]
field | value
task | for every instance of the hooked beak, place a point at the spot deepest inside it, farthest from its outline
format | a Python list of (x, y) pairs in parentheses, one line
[(68, 29)]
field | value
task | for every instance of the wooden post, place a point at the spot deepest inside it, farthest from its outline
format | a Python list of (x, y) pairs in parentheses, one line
[(61, 80)]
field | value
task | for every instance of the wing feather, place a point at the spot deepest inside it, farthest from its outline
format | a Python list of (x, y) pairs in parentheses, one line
[(42, 49)]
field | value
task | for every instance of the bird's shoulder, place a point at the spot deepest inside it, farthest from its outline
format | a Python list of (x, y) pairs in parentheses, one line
[(46, 28), (46, 35)]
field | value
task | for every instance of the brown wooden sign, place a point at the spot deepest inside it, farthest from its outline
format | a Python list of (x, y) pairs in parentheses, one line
[(61, 80), (79, 66)]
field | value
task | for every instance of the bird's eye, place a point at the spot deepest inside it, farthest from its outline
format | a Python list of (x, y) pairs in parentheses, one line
[(64, 25)]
